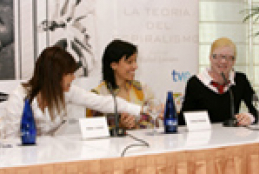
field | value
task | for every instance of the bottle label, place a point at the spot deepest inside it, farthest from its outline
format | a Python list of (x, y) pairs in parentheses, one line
[(171, 122), (171, 125)]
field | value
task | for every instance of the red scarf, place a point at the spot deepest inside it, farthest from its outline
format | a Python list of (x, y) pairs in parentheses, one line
[(219, 86)]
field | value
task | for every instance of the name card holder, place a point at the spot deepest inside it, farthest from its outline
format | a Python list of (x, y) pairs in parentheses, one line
[(92, 128), (197, 120)]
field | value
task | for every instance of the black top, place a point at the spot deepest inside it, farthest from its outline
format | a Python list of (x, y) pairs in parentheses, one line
[(199, 97)]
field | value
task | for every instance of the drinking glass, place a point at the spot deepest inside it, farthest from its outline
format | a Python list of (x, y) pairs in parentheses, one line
[(255, 101), (154, 109), (3, 142), (2, 135)]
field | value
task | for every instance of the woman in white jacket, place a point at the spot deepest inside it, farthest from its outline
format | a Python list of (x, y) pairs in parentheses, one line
[(49, 90)]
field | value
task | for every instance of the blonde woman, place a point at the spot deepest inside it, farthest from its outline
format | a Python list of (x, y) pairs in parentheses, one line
[(208, 90)]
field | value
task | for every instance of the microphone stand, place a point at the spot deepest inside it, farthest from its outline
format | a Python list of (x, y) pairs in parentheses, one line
[(115, 131), (120, 132), (232, 122)]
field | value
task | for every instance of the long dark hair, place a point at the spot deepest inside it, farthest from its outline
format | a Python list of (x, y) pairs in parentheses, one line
[(52, 64), (114, 52)]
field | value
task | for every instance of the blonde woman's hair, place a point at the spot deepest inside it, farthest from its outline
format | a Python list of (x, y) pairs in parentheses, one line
[(223, 42)]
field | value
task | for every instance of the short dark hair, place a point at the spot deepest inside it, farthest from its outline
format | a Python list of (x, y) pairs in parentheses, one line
[(114, 52)]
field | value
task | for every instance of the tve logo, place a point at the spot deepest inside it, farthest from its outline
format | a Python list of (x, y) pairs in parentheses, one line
[(180, 76)]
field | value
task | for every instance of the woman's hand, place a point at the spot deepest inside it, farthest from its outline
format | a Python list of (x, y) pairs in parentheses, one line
[(128, 121), (243, 119)]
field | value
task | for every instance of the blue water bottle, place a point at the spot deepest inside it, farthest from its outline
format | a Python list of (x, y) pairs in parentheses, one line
[(28, 127), (170, 115)]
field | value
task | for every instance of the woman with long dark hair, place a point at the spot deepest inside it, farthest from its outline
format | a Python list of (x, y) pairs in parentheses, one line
[(49, 90)]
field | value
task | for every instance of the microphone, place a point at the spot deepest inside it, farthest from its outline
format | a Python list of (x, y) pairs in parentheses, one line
[(116, 131), (255, 100), (232, 122)]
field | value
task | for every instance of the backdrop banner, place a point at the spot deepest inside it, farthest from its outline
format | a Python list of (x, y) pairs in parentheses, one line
[(165, 31)]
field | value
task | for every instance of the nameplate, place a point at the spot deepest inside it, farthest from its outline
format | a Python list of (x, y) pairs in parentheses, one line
[(94, 127), (197, 120)]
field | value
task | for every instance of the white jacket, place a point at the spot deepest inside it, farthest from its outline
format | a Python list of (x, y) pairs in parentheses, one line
[(44, 124)]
